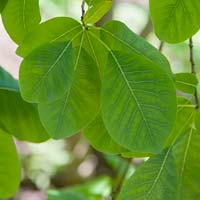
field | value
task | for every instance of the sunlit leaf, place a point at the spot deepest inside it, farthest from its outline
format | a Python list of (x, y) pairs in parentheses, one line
[(46, 73), (118, 37), (175, 20), (139, 94), (59, 29), (19, 17), (97, 10), (68, 115)]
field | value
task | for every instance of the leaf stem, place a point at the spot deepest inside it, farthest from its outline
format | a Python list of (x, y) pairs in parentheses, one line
[(83, 14), (118, 186), (193, 70), (161, 46)]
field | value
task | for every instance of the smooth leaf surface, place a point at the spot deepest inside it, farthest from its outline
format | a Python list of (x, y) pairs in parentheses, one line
[(20, 119), (59, 29), (155, 180), (68, 115), (19, 17), (184, 119), (197, 120), (186, 82), (92, 2), (96, 49), (139, 95), (3, 4), (117, 36), (97, 10), (186, 153), (175, 20), (98, 137), (10, 169), (46, 73), (7, 81)]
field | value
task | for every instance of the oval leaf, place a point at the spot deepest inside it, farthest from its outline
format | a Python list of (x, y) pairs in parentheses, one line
[(118, 37), (175, 20), (19, 17), (97, 10), (59, 29), (46, 74), (10, 170), (139, 95), (80, 104)]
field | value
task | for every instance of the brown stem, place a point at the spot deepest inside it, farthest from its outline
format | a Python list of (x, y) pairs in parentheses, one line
[(83, 14), (193, 70), (121, 180), (161, 46)]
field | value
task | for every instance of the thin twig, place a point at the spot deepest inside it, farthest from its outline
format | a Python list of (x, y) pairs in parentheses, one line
[(193, 70), (117, 189), (83, 13), (161, 46)]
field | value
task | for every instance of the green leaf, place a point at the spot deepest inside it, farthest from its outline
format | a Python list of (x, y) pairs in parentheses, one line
[(197, 120), (155, 180), (98, 137), (46, 73), (186, 82), (139, 94), (97, 10), (10, 170), (7, 81), (19, 17), (186, 152), (17, 117), (3, 4), (184, 119), (92, 2), (175, 20), (117, 36), (58, 29), (95, 48), (78, 107)]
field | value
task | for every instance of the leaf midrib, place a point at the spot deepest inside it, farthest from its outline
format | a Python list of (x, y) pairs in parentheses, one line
[(159, 174), (124, 76), (69, 92), (52, 66)]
